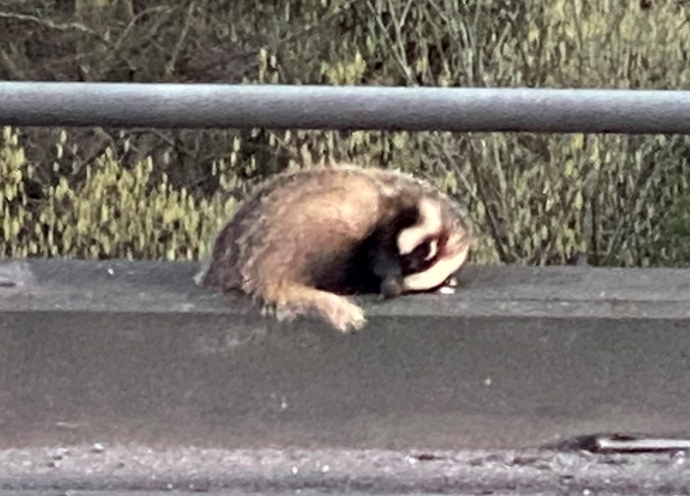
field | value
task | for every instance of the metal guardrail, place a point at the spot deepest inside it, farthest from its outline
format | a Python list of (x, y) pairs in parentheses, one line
[(344, 108)]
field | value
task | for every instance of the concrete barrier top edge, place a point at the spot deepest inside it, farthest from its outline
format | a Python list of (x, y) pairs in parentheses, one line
[(164, 287)]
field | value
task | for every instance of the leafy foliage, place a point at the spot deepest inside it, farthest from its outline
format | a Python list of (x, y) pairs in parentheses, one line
[(537, 199)]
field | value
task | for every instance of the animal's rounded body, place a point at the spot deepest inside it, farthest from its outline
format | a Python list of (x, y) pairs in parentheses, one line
[(303, 240)]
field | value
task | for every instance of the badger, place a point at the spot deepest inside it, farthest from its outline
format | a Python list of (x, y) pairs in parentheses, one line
[(302, 241)]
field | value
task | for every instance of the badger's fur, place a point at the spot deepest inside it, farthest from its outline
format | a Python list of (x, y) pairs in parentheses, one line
[(303, 240)]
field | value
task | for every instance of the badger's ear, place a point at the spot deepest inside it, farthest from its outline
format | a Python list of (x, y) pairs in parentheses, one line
[(428, 226)]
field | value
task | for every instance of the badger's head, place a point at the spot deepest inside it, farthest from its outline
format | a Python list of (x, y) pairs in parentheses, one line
[(434, 248)]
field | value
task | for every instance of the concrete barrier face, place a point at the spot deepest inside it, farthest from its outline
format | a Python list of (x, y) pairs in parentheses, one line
[(133, 354)]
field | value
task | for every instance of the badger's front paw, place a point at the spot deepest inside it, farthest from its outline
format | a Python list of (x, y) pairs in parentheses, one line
[(342, 314)]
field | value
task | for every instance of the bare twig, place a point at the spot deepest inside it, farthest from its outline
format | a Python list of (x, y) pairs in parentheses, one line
[(643, 184), (398, 54), (70, 26), (133, 22), (10, 66), (66, 27), (170, 66)]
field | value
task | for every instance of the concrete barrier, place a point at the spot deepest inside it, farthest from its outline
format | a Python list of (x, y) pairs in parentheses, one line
[(134, 354)]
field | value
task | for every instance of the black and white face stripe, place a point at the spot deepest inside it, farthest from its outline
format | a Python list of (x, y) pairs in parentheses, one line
[(429, 225), (436, 274), (430, 264)]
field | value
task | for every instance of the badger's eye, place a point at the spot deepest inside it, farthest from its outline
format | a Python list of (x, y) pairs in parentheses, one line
[(425, 251), (422, 251)]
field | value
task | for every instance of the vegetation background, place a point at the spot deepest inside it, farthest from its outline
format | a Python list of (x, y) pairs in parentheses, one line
[(535, 199)]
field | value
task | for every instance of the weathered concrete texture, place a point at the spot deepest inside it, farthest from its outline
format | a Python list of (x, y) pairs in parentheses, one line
[(311, 473), (133, 353)]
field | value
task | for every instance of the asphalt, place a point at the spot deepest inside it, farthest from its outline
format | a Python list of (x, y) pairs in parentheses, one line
[(114, 470), (521, 363)]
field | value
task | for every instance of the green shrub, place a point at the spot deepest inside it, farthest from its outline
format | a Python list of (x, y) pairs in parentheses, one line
[(537, 199)]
